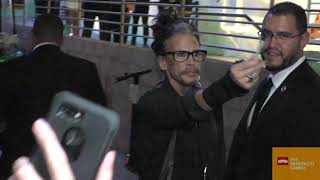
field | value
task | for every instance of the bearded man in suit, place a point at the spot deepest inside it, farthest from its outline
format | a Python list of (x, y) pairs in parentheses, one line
[(285, 109)]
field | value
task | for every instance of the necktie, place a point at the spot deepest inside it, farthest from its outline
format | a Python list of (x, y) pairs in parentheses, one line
[(261, 98)]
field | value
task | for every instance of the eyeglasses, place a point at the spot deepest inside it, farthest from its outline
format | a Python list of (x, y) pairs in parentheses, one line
[(268, 35), (181, 56)]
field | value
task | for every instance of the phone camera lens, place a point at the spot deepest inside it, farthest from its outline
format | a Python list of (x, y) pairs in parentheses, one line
[(73, 141), (77, 115)]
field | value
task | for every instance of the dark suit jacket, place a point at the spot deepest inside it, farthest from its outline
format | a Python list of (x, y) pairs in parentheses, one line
[(27, 87), (290, 118)]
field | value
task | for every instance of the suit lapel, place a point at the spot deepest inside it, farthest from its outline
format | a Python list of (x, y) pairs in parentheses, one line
[(274, 101), (289, 85)]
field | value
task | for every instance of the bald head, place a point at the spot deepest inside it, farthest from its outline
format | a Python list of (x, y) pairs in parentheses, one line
[(48, 28)]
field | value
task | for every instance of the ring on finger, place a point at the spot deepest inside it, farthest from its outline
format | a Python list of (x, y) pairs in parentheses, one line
[(251, 77), (249, 80)]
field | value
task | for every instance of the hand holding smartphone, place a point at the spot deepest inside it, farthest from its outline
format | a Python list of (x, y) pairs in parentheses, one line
[(85, 131)]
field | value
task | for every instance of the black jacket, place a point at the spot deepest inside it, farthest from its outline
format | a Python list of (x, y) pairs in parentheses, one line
[(27, 87), (199, 142)]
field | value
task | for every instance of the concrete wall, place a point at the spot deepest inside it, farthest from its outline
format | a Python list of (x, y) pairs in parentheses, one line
[(113, 61)]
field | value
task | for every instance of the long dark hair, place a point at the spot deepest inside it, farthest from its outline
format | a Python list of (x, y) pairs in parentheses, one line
[(166, 25)]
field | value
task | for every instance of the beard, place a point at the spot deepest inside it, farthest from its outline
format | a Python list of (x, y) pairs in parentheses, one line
[(186, 73), (286, 61), (191, 70)]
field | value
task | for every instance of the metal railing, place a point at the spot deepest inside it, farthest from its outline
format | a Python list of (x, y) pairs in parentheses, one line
[(197, 15)]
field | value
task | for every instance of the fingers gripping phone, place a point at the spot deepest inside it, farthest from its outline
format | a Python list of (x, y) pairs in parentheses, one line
[(85, 131)]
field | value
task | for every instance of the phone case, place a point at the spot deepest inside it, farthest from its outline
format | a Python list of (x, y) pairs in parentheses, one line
[(85, 130)]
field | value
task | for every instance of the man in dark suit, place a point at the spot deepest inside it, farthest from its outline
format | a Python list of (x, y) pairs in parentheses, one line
[(29, 83), (285, 109)]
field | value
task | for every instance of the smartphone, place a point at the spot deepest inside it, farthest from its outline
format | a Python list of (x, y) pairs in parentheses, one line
[(85, 131)]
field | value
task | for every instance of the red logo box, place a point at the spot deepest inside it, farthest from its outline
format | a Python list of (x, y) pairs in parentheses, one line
[(282, 161)]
